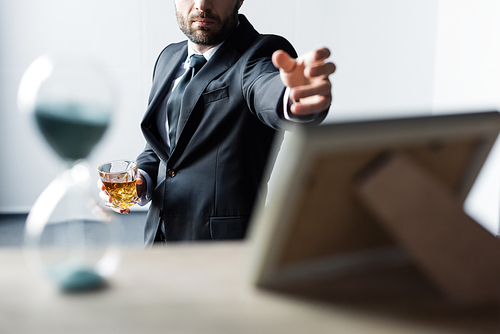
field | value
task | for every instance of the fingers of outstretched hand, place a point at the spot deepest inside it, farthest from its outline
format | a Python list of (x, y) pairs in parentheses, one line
[(314, 59), (312, 98), (316, 65), (318, 55), (320, 87), (320, 69), (310, 105)]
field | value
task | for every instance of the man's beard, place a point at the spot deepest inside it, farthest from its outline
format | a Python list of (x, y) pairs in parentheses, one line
[(208, 36)]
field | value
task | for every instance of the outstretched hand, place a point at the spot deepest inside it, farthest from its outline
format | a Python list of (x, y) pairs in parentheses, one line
[(140, 186), (307, 77)]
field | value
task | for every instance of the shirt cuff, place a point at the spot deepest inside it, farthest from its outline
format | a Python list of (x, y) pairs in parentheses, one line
[(287, 103), (146, 196)]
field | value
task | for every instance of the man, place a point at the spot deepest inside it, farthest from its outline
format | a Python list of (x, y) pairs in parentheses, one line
[(208, 142)]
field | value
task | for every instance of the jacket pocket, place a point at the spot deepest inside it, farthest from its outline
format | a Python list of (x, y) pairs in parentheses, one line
[(228, 227), (216, 95)]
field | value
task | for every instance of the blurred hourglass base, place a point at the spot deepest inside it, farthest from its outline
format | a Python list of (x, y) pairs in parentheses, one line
[(69, 238), (12, 229), (61, 242)]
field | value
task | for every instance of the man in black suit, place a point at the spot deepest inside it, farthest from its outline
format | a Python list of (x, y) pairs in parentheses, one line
[(207, 147)]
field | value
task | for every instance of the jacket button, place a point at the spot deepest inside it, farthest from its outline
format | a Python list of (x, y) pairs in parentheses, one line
[(171, 172)]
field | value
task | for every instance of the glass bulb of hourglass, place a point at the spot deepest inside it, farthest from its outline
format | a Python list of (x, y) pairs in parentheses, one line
[(71, 101), (68, 236)]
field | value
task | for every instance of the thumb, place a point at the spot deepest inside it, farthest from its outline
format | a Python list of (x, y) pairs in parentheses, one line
[(283, 61)]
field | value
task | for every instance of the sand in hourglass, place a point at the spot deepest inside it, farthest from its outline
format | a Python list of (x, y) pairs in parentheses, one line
[(71, 129)]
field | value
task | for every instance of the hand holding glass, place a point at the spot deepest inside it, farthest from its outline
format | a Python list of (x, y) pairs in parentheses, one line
[(119, 178)]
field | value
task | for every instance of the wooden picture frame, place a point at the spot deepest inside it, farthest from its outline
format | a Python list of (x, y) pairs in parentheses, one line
[(375, 209)]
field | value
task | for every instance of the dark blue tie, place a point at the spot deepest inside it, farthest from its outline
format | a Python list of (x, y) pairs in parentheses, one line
[(175, 100)]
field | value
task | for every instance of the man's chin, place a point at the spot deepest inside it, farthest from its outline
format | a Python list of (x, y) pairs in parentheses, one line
[(201, 37), (207, 36)]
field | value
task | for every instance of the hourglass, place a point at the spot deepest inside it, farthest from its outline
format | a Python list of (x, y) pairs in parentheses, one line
[(68, 236)]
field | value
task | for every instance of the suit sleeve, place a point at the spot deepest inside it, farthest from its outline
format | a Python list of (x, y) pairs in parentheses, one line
[(262, 86), (149, 162)]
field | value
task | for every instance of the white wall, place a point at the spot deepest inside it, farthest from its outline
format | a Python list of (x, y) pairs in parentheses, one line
[(126, 35), (384, 49), (467, 77)]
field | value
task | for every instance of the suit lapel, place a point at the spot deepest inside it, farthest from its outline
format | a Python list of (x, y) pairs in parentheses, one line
[(222, 60), (164, 75), (218, 64)]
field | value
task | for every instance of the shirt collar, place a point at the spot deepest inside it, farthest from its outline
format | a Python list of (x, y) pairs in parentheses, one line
[(207, 54)]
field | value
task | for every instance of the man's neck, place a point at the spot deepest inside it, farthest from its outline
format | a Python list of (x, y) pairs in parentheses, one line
[(202, 48), (207, 53)]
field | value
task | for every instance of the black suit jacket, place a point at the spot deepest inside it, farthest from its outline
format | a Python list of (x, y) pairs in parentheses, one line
[(230, 114)]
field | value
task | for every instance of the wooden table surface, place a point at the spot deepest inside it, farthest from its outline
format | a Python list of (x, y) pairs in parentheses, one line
[(180, 288)]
